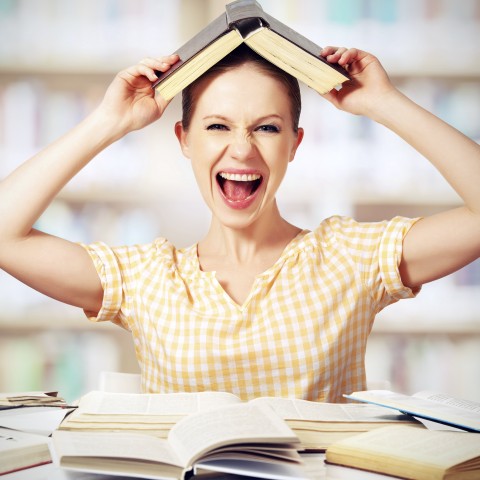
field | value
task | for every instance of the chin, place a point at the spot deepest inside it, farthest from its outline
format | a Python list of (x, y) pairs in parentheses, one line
[(236, 221), (240, 219)]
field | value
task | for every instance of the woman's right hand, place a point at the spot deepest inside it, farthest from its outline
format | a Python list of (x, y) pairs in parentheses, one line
[(130, 102)]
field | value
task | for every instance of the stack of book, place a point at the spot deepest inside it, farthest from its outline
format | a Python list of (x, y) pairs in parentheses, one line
[(31, 399), (211, 431), (217, 431), (26, 421)]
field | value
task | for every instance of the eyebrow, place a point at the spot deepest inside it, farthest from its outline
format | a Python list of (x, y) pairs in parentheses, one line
[(258, 120)]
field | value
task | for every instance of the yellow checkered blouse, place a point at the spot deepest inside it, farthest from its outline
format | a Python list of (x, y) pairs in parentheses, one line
[(301, 333)]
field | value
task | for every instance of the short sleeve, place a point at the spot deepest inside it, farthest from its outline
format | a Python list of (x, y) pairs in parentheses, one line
[(126, 274), (390, 256), (373, 250), (108, 270)]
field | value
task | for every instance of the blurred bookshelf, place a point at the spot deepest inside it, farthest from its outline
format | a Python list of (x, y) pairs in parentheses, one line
[(61, 56)]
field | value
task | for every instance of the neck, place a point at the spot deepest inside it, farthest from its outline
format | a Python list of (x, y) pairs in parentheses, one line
[(242, 245)]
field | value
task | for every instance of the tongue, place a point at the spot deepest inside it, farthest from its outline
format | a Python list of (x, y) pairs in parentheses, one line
[(237, 191)]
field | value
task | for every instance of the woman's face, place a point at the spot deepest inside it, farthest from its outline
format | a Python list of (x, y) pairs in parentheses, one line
[(240, 141)]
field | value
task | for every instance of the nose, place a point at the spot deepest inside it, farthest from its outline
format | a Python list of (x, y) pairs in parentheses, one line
[(242, 147)]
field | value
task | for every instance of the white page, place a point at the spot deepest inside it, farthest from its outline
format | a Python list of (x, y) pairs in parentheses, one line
[(97, 402), (199, 433), (431, 425), (296, 409), (39, 420), (462, 404), (113, 445), (256, 469), (10, 439), (421, 407)]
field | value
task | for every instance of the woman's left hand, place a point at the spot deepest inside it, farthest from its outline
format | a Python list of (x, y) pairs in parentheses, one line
[(368, 85)]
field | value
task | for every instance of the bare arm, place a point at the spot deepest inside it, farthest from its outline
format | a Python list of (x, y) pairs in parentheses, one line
[(54, 266), (440, 244)]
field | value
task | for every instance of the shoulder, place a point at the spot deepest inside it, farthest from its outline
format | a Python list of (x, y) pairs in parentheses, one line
[(160, 249), (347, 229), (359, 238)]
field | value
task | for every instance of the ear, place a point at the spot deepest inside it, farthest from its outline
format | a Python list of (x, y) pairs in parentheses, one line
[(297, 143), (181, 135)]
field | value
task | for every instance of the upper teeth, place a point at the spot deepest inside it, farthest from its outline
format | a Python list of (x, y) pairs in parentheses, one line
[(240, 177)]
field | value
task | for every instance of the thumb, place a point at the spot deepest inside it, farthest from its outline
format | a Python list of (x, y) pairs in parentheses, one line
[(332, 97), (161, 102)]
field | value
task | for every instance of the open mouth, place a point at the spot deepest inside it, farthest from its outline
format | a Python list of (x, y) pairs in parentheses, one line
[(237, 187)]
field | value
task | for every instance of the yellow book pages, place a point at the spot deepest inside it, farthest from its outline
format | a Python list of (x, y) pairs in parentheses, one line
[(199, 64), (292, 59), (342, 426), (411, 452), (312, 441)]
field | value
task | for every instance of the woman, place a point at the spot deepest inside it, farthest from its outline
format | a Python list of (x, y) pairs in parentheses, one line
[(258, 306)]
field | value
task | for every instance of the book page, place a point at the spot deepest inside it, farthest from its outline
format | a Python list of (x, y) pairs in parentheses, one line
[(85, 420), (113, 445), (97, 402), (243, 423), (432, 425), (255, 469), (297, 409), (39, 420), (421, 407), (413, 445), (444, 399), (13, 439)]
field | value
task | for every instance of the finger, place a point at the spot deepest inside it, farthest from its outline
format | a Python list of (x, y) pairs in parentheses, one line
[(328, 50), (151, 68), (160, 65), (348, 56), (334, 54), (140, 70)]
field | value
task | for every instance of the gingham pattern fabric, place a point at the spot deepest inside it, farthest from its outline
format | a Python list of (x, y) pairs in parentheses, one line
[(301, 332)]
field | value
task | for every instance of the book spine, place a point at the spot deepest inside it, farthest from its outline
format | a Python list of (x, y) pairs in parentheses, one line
[(242, 10), (247, 26)]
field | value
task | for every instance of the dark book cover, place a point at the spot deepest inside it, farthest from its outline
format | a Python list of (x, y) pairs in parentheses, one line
[(196, 44), (245, 16)]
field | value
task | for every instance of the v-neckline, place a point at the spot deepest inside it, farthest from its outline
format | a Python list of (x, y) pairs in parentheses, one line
[(211, 274)]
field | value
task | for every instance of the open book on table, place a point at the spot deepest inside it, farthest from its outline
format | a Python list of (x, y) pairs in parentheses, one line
[(247, 439), (432, 406), (411, 452), (316, 424)]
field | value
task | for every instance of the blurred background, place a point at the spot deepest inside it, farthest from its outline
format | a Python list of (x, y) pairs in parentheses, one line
[(57, 58)]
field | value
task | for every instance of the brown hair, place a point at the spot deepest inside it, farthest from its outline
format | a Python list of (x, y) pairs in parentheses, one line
[(242, 55)]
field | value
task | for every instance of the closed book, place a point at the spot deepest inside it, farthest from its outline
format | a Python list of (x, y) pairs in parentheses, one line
[(21, 450)]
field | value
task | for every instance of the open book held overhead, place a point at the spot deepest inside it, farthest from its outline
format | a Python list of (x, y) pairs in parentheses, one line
[(244, 21)]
